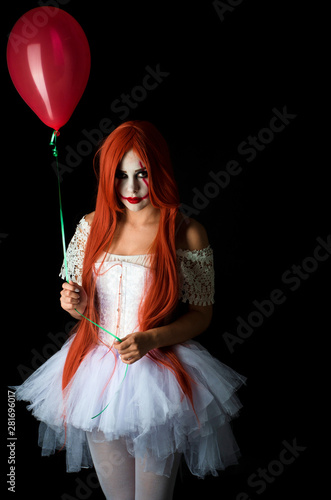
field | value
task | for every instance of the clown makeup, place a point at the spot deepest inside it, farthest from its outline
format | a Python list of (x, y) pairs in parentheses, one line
[(131, 182)]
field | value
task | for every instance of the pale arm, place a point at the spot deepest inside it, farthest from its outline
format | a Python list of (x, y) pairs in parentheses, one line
[(189, 325), (198, 318)]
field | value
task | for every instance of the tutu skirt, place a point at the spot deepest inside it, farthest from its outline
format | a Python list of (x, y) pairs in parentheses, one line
[(146, 408)]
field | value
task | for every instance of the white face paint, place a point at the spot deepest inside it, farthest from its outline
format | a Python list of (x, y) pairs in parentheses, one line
[(131, 182)]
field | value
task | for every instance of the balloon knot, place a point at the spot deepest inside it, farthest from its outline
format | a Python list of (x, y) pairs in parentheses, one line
[(55, 134)]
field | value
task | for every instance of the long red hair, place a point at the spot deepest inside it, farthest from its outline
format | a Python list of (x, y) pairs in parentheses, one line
[(161, 297)]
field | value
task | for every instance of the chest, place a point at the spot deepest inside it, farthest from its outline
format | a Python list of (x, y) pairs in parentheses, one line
[(127, 241)]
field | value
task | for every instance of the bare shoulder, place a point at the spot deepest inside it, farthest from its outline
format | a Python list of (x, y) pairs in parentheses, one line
[(89, 217), (190, 234)]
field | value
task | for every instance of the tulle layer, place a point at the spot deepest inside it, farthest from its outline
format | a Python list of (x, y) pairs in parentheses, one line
[(146, 407)]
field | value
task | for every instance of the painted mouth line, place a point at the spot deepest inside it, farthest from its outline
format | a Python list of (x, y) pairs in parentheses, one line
[(135, 199)]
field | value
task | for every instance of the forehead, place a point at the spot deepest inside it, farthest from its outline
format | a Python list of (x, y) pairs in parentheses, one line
[(130, 161)]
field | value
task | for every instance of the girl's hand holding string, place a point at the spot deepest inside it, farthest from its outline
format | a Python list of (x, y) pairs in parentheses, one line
[(73, 296), (134, 346)]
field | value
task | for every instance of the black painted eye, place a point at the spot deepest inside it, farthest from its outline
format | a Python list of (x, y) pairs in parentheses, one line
[(119, 174)]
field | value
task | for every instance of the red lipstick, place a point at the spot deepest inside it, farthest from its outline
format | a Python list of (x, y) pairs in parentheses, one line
[(133, 200)]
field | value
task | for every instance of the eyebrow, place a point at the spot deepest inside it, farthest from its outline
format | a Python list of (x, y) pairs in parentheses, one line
[(142, 168)]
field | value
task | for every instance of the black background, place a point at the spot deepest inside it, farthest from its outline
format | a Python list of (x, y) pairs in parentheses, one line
[(225, 78)]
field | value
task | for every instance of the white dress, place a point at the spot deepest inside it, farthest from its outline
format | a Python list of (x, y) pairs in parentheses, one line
[(146, 406)]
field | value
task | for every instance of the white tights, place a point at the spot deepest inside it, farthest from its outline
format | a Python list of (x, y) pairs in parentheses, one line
[(122, 477)]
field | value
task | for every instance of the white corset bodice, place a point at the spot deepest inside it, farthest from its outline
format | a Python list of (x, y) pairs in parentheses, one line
[(120, 287)]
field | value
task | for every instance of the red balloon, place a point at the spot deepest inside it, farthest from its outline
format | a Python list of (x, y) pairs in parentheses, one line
[(49, 62)]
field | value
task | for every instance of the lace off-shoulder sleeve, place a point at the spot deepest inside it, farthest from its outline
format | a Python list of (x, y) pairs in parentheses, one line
[(196, 276), (75, 252)]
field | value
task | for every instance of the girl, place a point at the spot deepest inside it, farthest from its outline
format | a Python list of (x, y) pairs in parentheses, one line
[(130, 392)]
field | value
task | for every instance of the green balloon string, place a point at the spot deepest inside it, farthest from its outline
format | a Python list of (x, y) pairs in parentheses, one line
[(55, 154), (105, 408)]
